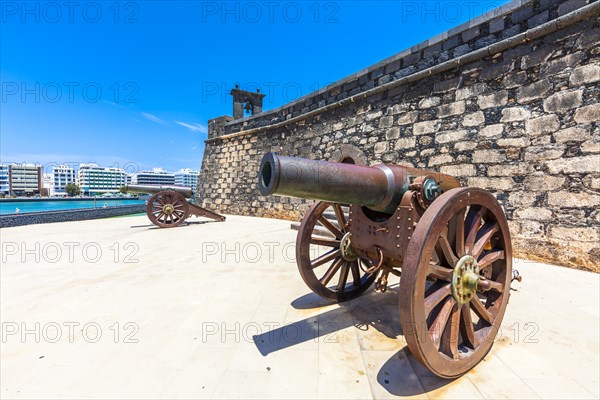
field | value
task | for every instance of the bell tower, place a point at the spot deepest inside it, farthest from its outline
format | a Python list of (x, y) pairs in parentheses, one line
[(245, 102)]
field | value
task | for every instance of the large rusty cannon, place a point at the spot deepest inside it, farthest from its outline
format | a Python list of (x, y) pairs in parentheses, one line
[(449, 244), (169, 207)]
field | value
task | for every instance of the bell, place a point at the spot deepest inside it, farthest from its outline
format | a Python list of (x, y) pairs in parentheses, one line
[(248, 107)]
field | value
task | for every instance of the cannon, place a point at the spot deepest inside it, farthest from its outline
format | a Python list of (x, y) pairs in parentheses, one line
[(169, 206), (450, 246)]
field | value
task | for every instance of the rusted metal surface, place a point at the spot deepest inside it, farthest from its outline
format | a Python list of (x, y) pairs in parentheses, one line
[(450, 246), (169, 207)]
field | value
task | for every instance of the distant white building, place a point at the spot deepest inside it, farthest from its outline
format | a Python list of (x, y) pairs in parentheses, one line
[(4, 180), (25, 179), (48, 184), (94, 179), (157, 176), (187, 177), (61, 177)]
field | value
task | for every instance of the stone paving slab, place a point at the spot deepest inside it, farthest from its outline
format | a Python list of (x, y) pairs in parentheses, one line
[(117, 308)]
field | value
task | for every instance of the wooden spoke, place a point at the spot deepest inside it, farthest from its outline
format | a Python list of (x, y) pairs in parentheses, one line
[(317, 230), (434, 299), (449, 343), (439, 272), (343, 277), (483, 237), (440, 321), (444, 245), (472, 224), (480, 310), (327, 224), (467, 330), (335, 266), (492, 285), (330, 255), (319, 241), (339, 213), (489, 258), (355, 273), (459, 233)]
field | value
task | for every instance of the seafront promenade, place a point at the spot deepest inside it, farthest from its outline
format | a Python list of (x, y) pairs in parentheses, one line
[(119, 308)]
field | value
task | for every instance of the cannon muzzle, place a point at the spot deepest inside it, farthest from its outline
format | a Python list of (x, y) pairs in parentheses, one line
[(153, 189), (379, 187)]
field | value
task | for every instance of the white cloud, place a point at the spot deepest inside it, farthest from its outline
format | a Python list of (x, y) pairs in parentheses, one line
[(194, 126), (152, 118)]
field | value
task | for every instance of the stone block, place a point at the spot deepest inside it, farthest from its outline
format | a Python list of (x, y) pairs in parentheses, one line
[(590, 146), (405, 143), (575, 134), (561, 64), (566, 199), (514, 79), (534, 213), (578, 165), (497, 99), (380, 147), (492, 183), (496, 25), (488, 156), (563, 101), (429, 102), (588, 114), (459, 170), (408, 118), (473, 90), (474, 119), (585, 75), (491, 131), (514, 114), (522, 199), (440, 159), (568, 234), (533, 92), (470, 34), (508, 170), (446, 110), (392, 133), (425, 127), (465, 146), (542, 125), (450, 136), (514, 142), (541, 182), (386, 122), (542, 153)]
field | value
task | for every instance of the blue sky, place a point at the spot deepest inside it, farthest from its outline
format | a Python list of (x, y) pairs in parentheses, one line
[(133, 83)]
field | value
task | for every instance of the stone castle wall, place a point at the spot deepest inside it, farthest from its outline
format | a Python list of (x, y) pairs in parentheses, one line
[(509, 102)]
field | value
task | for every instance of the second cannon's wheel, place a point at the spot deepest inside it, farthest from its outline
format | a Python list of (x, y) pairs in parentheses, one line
[(167, 209), (455, 281), (324, 254)]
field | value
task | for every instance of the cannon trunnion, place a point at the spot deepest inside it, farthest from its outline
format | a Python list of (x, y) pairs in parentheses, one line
[(168, 207), (449, 244)]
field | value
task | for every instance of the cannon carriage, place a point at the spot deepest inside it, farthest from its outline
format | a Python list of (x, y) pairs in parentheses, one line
[(450, 246), (169, 205)]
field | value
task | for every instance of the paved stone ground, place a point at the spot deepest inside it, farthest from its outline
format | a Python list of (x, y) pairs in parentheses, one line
[(219, 310)]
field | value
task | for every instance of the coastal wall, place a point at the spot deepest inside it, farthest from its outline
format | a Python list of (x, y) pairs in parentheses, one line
[(509, 102), (68, 215)]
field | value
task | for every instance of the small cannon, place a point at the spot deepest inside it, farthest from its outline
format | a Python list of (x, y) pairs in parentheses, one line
[(449, 244), (169, 207)]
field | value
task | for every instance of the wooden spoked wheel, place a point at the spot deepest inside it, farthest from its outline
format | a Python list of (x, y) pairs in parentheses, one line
[(455, 281), (167, 209), (326, 266)]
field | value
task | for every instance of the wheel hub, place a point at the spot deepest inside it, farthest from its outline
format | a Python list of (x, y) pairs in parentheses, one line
[(465, 279), (346, 248), (168, 209)]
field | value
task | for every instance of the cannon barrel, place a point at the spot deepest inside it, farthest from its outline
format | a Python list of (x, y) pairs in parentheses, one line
[(379, 187), (153, 189)]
